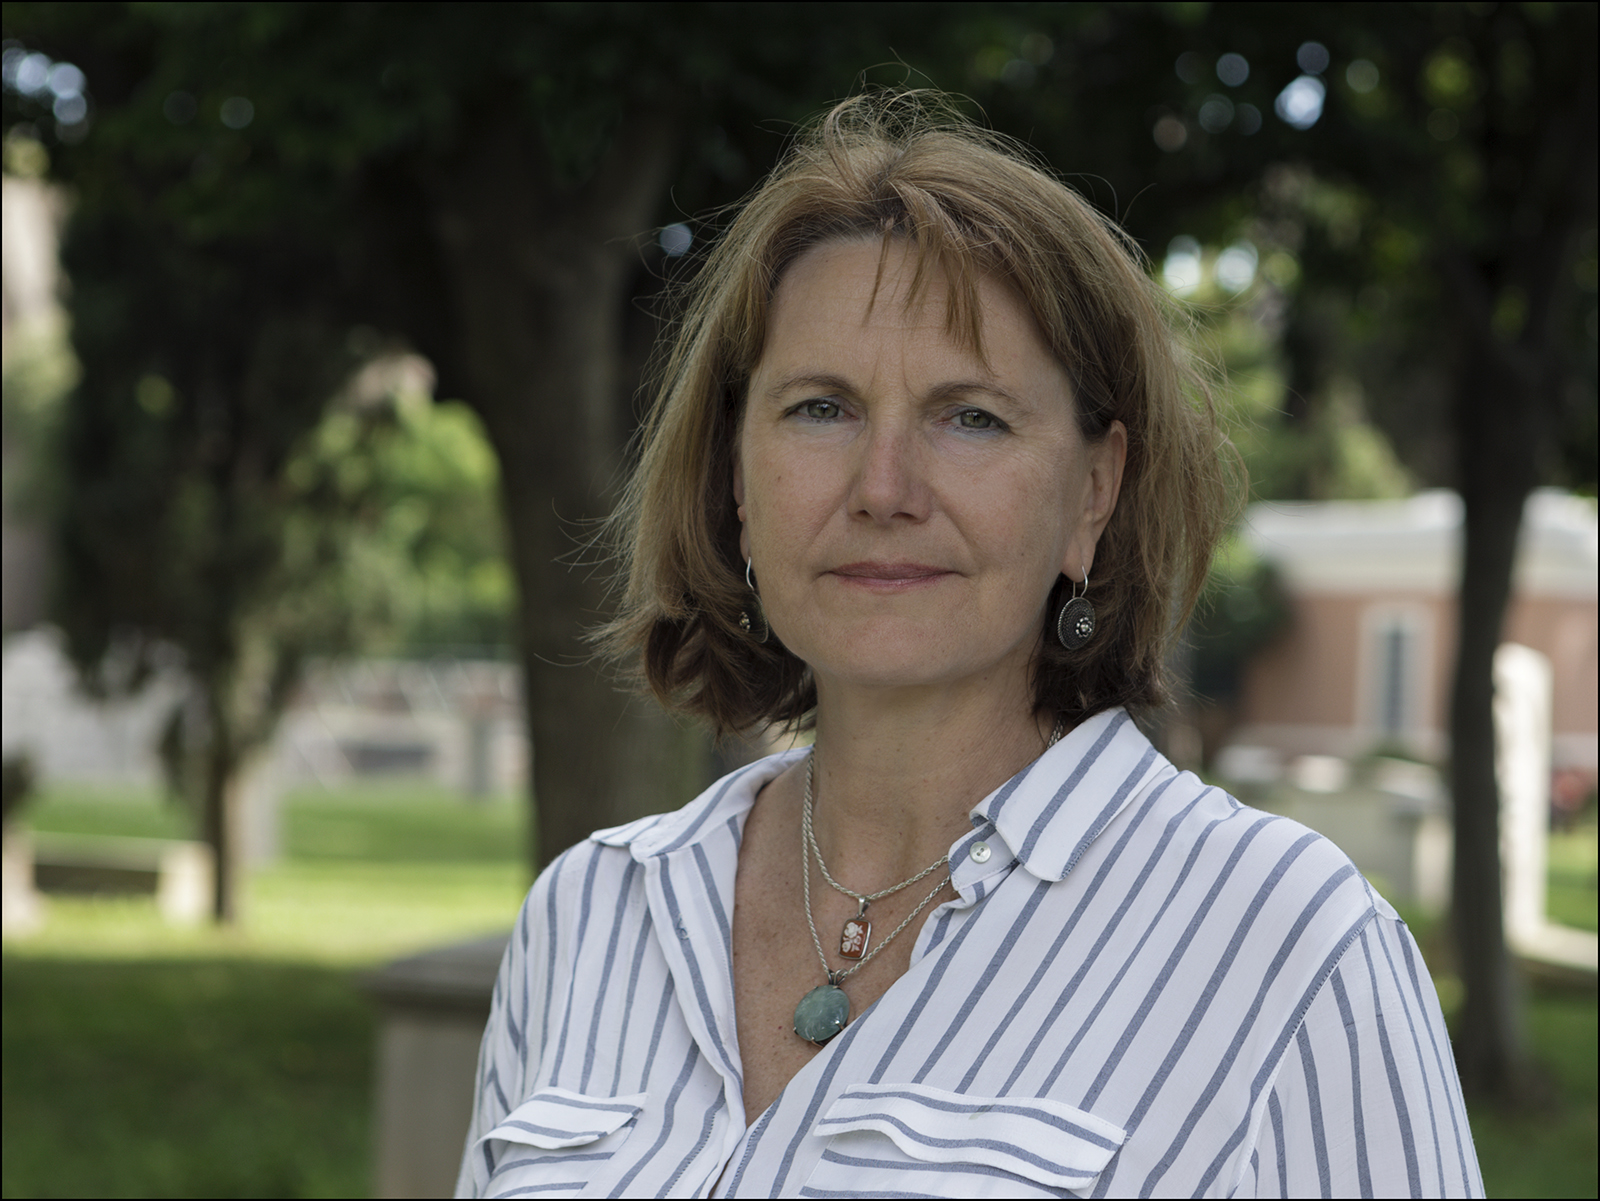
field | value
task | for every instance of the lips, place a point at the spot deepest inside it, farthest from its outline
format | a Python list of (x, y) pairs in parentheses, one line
[(889, 571), (879, 575)]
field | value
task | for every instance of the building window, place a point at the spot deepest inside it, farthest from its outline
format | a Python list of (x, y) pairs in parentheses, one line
[(1393, 653), (1396, 650)]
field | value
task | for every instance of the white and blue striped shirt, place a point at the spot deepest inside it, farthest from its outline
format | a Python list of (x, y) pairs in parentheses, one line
[(1145, 989)]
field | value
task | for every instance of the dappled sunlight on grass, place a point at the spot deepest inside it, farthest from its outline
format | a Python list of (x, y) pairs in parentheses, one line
[(350, 913), (144, 1059), (368, 874)]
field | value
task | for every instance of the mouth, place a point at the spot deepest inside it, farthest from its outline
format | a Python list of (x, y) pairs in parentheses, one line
[(890, 576)]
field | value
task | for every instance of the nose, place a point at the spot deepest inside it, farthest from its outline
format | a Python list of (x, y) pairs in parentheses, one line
[(890, 480)]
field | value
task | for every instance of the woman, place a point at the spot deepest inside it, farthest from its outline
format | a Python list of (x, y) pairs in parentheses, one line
[(923, 475)]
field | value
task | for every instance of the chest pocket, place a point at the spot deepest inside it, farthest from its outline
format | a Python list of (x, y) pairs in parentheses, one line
[(553, 1143), (909, 1140)]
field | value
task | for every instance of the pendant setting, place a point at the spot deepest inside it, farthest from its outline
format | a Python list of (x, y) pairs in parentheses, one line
[(822, 1013)]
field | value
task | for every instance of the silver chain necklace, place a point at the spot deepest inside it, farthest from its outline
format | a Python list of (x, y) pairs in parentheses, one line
[(825, 1010), (857, 932)]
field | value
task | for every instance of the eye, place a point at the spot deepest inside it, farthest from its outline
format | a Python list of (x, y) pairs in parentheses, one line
[(977, 419), (819, 410)]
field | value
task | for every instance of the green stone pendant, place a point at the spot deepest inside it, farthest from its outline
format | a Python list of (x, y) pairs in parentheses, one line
[(821, 1014)]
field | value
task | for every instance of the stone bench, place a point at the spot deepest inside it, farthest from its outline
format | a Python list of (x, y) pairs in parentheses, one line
[(179, 875), (432, 1009)]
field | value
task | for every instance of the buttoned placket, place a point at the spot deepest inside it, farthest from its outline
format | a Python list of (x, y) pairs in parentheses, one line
[(974, 877)]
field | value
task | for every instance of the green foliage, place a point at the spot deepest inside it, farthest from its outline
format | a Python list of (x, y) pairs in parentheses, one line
[(417, 562), (39, 373), (1243, 607), (16, 785), (1334, 453), (1294, 447), (1429, 234)]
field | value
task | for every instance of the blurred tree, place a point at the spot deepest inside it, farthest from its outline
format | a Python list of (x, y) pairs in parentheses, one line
[(1444, 205), (1416, 183), (182, 541), (434, 540), (217, 513), (474, 179), (1243, 608)]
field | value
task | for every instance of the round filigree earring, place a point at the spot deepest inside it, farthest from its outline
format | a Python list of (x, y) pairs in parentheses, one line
[(1075, 622), (752, 620)]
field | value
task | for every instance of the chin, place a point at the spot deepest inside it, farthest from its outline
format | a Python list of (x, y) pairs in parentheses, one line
[(908, 659)]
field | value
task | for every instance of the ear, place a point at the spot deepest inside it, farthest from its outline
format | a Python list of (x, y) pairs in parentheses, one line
[(1107, 458)]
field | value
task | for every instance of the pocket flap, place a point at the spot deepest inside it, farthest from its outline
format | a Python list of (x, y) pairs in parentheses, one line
[(554, 1118), (1033, 1137)]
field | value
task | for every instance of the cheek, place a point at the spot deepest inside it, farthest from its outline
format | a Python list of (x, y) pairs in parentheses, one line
[(785, 488), (1024, 513), (774, 506)]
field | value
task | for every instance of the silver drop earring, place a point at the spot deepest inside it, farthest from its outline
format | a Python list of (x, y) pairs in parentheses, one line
[(1075, 622), (753, 622)]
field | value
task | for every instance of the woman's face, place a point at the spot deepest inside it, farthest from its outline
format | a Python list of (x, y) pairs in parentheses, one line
[(907, 507)]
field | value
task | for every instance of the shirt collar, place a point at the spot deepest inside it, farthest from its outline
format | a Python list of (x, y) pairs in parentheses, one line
[(1052, 810), (1047, 814), (730, 797)]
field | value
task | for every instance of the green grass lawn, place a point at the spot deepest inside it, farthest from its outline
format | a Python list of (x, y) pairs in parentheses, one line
[(197, 1077), (1552, 1153), (1571, 885), (143, 1060), (368, 873), (146, 1060)]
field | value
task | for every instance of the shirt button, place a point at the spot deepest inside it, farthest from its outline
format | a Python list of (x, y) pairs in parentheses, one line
[(979, 852)]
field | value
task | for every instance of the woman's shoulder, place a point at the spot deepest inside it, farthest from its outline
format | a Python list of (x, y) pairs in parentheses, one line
[(1263, 866), (725, 799), (609, 850)]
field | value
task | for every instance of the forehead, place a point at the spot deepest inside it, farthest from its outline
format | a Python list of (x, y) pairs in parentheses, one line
[(854, 295)]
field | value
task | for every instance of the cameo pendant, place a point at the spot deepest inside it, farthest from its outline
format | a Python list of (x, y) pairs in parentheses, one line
[(854, 936), (822, 1012)]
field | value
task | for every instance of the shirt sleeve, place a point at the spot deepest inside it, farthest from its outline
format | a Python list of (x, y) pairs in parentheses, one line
[(1367, 1102), (507, 1056)]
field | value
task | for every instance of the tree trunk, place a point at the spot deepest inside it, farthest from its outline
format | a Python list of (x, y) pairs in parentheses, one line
[(1496, 429), (219, 808), (1512, 366), (539, 285), (1490, 1050)]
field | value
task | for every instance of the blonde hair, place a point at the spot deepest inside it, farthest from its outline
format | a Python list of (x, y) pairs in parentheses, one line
[(906, 166)]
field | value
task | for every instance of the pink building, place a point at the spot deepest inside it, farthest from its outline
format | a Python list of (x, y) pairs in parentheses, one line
[(1366, 661)]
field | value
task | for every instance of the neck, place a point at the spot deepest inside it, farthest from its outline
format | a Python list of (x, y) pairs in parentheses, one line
[(896, 774)]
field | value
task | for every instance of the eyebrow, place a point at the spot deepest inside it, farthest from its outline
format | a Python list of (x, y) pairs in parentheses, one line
[(943, 391)]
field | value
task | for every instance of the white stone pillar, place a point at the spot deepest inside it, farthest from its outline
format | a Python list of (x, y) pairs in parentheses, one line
[(1522, 687), (1522, 705)]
